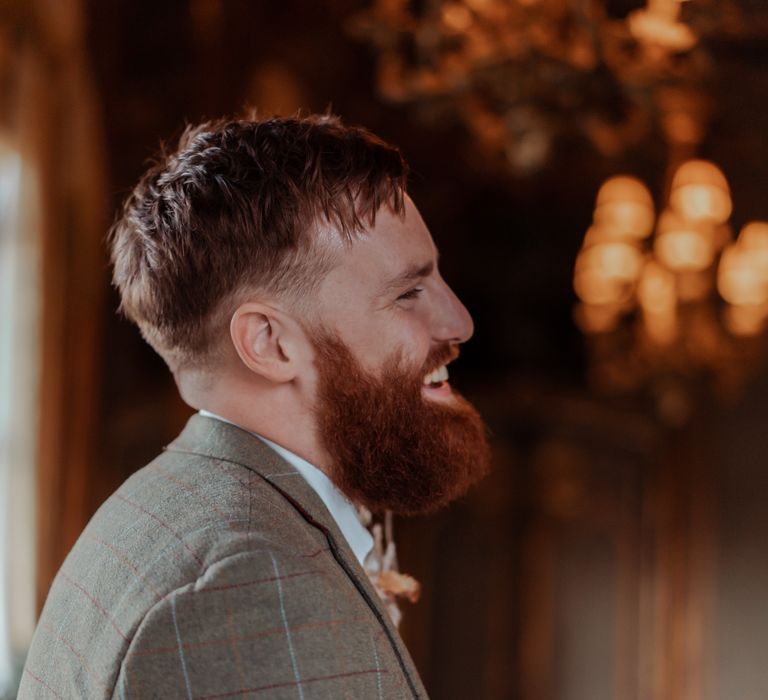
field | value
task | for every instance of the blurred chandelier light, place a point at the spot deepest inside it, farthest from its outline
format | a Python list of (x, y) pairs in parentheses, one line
[(673, 300), (521, 74)]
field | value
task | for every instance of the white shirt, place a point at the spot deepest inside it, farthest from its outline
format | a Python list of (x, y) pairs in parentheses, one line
[(341, 508)]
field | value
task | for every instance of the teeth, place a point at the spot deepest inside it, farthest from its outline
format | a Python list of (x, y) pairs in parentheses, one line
[(438, 376)]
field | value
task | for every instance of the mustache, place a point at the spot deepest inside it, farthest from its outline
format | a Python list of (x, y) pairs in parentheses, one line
[(439, 356)]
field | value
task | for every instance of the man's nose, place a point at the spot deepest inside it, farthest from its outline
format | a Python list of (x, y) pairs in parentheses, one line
[(453, 324)]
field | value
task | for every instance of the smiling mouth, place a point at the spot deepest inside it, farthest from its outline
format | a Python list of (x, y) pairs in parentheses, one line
[(435, 385), (436, 378)]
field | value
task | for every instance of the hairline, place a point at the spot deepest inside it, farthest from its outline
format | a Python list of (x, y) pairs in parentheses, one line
[(327, 241)]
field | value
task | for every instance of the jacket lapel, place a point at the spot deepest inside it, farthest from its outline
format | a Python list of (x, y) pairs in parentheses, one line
[(220, 440)]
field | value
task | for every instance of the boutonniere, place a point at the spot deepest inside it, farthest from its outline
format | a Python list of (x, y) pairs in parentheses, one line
[(382, 567)]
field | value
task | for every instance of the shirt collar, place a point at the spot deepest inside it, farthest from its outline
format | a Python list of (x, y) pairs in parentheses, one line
[(340, 507)]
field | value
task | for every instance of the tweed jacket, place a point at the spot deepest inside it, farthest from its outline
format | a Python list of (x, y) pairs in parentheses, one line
[(215, 572)]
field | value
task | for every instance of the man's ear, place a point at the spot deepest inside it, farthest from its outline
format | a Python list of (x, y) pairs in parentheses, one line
[(264, 339)]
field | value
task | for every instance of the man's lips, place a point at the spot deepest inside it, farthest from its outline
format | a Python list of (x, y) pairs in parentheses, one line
[(437, 376), (439, 359), (435, 384)]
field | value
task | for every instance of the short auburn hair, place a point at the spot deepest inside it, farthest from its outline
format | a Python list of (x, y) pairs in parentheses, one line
[(235, 208)]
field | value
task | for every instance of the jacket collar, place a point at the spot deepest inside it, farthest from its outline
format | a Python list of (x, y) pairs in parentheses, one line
[(225, 441), (219, 440)]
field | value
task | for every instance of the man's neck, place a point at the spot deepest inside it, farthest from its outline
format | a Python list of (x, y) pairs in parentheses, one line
[(279, 412), (294, 430)]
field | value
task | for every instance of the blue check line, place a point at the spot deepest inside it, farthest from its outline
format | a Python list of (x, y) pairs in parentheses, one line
[(287, 629)]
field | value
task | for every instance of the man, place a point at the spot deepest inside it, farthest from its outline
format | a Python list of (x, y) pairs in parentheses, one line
[(290, 284)]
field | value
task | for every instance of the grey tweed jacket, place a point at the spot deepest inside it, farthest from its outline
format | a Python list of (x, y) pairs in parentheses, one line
[(215, 572)]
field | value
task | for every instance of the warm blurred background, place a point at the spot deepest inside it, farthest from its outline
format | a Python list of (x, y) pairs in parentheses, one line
[(619, 551)]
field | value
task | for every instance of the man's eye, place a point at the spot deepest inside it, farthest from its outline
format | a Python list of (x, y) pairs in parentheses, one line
[(410, 294)]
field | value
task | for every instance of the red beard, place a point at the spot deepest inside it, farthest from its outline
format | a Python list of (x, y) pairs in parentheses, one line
[(390, 448)]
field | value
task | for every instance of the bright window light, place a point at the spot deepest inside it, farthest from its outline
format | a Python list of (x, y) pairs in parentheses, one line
[(19, 354)]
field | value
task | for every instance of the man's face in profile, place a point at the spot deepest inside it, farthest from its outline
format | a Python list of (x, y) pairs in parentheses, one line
[(398, 436)]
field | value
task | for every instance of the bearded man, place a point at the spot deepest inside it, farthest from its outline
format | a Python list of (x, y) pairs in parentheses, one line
[(292, 287)]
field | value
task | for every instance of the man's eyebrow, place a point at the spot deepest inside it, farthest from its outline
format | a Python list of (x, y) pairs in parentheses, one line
[(411, 274)]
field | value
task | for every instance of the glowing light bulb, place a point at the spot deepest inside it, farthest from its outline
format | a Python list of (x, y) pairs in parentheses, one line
[(606, 272), (739, 278), (657, 297), (656, 289), (700, 192), (754, 238), (624, 206), (682, 245)]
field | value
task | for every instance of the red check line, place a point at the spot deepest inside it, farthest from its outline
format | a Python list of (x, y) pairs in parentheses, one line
[(96, 603), (305, 681), (163, 524), (232, 639), (314, 554), (82, 659), (43, 683), (128, 563)]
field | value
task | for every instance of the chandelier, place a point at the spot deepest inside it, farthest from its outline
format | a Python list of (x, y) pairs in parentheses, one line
[(668, 300), (664, 300), (523, 74)]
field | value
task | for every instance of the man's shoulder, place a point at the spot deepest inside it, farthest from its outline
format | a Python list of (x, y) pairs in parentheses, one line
[(192, 510), (215, 557), (184, 522)]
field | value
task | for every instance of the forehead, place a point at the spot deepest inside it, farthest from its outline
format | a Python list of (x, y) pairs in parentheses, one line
[(394, 245)]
